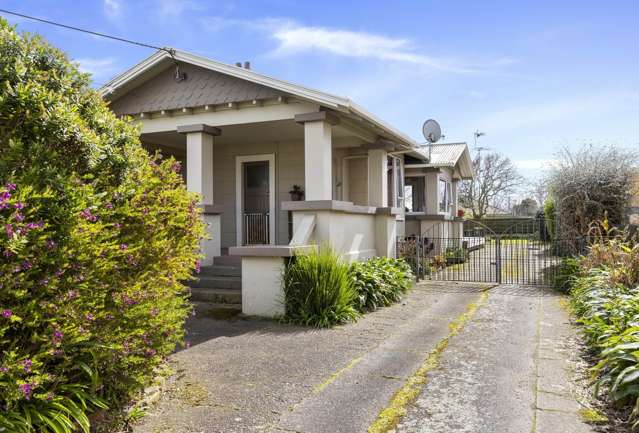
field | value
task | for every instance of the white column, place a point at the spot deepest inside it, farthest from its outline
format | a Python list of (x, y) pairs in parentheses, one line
[(199, 179), (318, 160), (377, 177), (199, 165)]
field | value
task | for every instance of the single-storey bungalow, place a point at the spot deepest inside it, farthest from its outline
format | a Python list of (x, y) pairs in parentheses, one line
[(282, 167)]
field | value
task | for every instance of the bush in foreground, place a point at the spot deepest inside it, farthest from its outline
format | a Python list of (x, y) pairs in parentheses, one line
[(322, 290), (318, 290), (605, 298), (95, 239), (380, 281)]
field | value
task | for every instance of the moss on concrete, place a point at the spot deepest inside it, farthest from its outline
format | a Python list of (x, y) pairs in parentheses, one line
[(389, 417), (334, 376), (592, 416)]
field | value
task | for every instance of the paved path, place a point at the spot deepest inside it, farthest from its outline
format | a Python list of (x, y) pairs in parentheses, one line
[(451, 357)]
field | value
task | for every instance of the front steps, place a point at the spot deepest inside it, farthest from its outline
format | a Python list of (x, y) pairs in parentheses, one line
[(220, 283)]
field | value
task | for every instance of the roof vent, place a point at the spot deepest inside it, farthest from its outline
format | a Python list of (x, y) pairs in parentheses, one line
[(238, 64), (247, 65)]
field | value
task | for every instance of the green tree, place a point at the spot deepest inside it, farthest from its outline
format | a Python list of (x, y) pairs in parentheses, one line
[(96, 238)]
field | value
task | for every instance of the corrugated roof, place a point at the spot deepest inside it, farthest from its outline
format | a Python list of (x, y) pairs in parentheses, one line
[(453, 155), (446, 154)]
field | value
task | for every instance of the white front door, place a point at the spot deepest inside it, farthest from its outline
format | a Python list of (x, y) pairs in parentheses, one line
[(255, 195)]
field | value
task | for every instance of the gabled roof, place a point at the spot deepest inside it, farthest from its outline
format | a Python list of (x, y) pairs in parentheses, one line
[(451, 155), (158, 61)]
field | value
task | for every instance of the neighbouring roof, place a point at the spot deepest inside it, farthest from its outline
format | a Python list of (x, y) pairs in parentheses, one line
[(451, 155), (133, 80)]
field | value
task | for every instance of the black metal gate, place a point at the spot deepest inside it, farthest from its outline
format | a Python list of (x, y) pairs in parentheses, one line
[(519, 251)]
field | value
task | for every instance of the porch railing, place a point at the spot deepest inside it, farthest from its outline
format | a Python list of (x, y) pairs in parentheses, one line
[(256, 229)]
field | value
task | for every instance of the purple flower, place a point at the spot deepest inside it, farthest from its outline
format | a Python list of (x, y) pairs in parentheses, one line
[(26, 389), (72, 294), (198, 267), (26, 365), (3, 369), (7, 313), (89, 317), (176, 167), (57, 336), (19, 217), (109, 205), (87, 215), (26, 265), (123, 246), (51, 244), (19, 205), (10, 186), (37, 225), (9, 229)]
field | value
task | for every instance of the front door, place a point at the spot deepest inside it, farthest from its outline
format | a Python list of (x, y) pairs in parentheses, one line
[(256, 198)]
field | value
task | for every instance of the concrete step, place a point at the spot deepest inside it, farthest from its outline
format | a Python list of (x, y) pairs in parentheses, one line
[(228, 261), (217, 282), (221, 271), (217, 311), (218, 296)]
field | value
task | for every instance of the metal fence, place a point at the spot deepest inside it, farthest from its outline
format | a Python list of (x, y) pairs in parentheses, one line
[(520, 254)]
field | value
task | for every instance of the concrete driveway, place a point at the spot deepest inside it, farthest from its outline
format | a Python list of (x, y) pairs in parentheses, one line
[(451, 357)]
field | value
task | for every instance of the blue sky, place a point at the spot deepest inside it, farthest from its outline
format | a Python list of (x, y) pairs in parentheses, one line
[(534, 75)]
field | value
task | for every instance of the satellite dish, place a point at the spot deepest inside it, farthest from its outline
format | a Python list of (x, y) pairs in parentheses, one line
[(432, 131)]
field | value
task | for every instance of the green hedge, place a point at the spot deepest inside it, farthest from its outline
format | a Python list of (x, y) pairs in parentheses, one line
[(95, 240)]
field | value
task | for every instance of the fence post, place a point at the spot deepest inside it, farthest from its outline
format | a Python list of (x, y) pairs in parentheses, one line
[(418, 264), (498, 257)]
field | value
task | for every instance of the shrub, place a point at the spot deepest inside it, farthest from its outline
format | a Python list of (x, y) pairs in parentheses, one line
[(605, 297), (589, 184), (566, 273), (318, 290), (380, 281), (549, 217), (95, 239), (455, 255)]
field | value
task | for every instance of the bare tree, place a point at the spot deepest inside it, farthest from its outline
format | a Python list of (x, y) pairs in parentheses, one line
[(590, 184), (539, 191), (495, 178)]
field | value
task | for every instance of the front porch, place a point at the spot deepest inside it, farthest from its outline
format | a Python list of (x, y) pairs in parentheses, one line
[(245, 174)]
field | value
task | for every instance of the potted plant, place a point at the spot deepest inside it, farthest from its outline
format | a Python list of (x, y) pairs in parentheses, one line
[(297, 193)]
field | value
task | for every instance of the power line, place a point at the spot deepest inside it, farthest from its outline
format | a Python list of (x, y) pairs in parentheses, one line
[(171, 51)]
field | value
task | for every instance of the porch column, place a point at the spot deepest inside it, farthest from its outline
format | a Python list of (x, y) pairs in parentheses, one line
[(199, 179), (318, 159), (377, 177)]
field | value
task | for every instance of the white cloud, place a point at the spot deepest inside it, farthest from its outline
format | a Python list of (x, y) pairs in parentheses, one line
[(554, 112), (98, 68), (534, 164), (294, 38), (112, 8), (175, 8)]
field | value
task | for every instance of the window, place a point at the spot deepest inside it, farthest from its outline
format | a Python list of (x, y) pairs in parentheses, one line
[(414, 194), (395, 182), (445, 196)]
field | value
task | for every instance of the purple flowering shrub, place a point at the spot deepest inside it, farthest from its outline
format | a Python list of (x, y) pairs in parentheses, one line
[(96, 238)]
